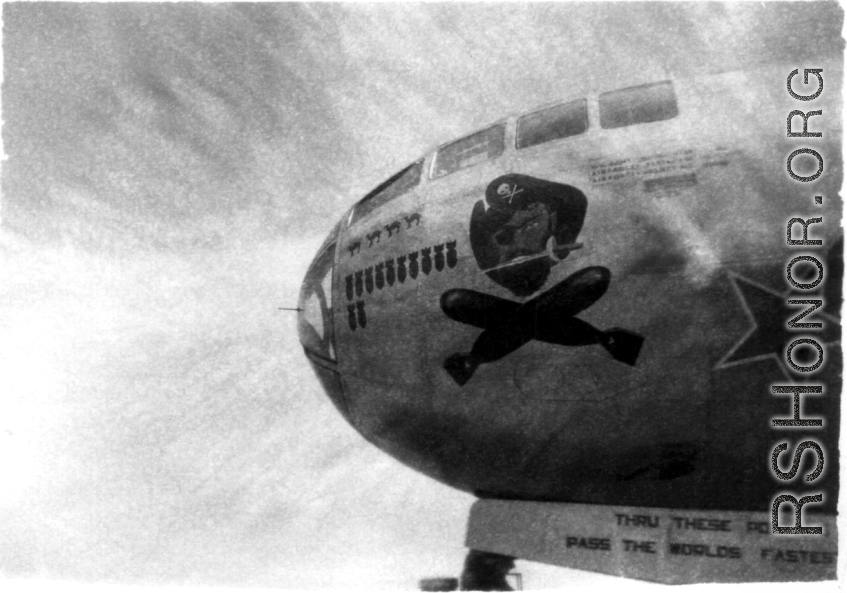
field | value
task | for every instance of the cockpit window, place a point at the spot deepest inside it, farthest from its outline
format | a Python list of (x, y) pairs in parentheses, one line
[(395, 187), (553, 123), (473, 149), (638, 105)]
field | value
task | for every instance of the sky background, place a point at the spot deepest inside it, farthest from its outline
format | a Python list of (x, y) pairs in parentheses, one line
[(171, 170)]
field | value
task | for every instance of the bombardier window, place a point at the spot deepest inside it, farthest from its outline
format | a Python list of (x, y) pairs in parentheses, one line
[(553, 123), (473, 149), (395, 187), (638, 105), (315, 322)]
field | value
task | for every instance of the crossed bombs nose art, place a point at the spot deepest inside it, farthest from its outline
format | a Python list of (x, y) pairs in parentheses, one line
[(521, 230)]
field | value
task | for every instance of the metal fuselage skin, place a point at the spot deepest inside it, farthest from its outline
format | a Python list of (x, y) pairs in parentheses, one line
[(688, 217)]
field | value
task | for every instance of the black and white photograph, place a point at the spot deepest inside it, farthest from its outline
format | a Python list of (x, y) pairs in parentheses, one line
[(421, 296)]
